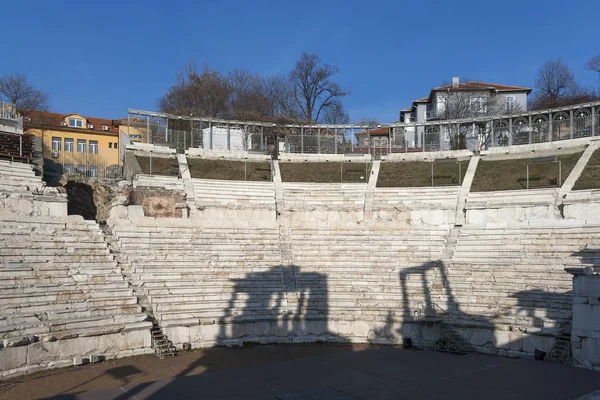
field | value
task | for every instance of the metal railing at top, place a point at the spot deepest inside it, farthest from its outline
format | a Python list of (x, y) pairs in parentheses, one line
[(8, 111), (563, 123)]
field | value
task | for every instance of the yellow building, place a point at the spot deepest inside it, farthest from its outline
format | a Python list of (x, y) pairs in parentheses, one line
[(73, 143)]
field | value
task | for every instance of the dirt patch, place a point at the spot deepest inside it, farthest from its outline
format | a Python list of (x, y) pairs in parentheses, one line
[(157, 202), (149, 368), (324, 172), (512, 174), (229, 170), (590, 177), (418, 174)]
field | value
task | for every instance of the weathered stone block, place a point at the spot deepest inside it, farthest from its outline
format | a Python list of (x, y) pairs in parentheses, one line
[(13, 357)]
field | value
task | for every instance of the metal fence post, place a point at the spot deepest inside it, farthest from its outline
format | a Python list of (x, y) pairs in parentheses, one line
[(594, 121), (228, 138), (550, 127), (301, 140), (210, 136), (262, 137), (335, 141), (148, 129), (530, 131), (571, 124), (510, 131), (318, 140)]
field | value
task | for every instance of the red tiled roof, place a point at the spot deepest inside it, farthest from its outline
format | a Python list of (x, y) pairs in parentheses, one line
[(422, 100), (377, 132), (481, 85), (53, 120)]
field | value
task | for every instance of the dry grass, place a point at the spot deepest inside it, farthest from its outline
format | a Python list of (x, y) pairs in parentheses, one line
[(512, 174), (229, 170), (590, 177), (418, 174), (160, 166), (324, 172)]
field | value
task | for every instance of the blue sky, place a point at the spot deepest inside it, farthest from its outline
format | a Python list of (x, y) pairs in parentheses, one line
[(101, 58)]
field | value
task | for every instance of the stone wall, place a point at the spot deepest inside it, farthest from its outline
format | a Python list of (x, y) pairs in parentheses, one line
[(585, 334), (158, 202)]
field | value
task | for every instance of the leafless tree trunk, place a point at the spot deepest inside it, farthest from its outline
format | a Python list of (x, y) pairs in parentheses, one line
[(335, 114), (554, 82), (16, 89), (314, 91)]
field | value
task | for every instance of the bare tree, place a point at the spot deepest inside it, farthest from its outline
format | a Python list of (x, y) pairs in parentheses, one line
[(248, 100), (555, 82), (279, 91), (335, 114), (16, 89), (314, 91), (593, 64), (368, 121), (206, 94)]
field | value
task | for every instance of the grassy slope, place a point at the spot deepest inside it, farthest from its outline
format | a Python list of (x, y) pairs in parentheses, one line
[(512, 174), (326, 172), (590, 177), (229, 170), (160, 166), (418, 174)]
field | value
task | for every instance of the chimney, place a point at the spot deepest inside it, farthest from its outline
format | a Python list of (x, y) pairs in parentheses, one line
[(455, 81)]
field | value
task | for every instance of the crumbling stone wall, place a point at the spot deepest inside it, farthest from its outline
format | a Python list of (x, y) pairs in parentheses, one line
[(93, 198), (157, 202)]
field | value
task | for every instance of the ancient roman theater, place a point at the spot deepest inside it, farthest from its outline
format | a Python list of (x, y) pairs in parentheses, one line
[(249, 236)]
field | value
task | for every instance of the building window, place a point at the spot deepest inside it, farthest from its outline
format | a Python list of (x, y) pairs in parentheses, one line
[(441, 103), (81, 145), (81, 169), (93, 171), (110, 145), (94, 146), (366, 141), (510, 103), (75, 123), (478, 104), (68, 168), (116, 145), (69, 145), (56, 141)]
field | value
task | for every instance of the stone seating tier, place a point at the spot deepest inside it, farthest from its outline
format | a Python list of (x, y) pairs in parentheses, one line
[(158, 181), (511, 198), (16, 177), (234, 194), (300, 196), (416, 198), (58, 276), (166, 260)]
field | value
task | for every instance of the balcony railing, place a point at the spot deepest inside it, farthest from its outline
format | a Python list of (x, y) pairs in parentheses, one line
[(8, 111)]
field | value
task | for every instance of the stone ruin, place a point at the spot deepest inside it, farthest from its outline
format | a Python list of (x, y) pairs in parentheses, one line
[(230, 262)]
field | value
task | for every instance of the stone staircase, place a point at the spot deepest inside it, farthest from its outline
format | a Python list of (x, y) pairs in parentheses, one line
[(161, 344), (113, 245), (561, 350), (439, 332)]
